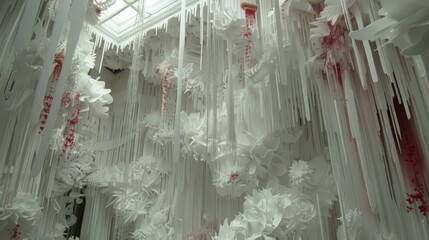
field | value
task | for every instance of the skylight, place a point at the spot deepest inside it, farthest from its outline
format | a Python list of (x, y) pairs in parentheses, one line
[(125, 15), (117, 24)]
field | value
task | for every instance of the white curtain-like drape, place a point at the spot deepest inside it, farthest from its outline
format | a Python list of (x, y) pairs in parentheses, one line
[(281, 119)]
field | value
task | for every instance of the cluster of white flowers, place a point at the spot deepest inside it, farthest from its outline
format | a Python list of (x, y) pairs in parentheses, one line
[(270, 215), (134, 198), (72, 173), (254, 159), (21, 216), (156, 223), (314, 178), (277, 212), (194, 135), (92, 94)]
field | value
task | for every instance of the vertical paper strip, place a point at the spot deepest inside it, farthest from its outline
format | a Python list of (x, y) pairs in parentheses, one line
[(77, 10), (60, 21), (280, 52), (25, 26), (176, 149)]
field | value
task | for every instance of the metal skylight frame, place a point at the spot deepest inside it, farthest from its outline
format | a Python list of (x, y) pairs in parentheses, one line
[(121, 34)]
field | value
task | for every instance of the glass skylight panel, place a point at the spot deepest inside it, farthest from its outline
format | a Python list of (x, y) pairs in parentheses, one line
[(125, 15), (115, 8)]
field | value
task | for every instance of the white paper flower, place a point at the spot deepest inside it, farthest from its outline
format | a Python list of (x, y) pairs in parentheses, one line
[(321, 183), (84, 54), (151, 120), (299, 171), (263, 211), (20, 216), (194, 135), (225, 232), (155, 226), (262, 151), (163, 135), (253, 159), (93, 95), (233, 179), (72, 172), (404, 23), (267, 215), (103, 177), (127, 201)]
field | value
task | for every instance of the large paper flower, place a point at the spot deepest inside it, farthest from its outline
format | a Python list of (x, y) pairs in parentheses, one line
[(72, 172), (128, 202), (253, 159), (93, 95), (157, 223), (103, 177), (84, 52), (194, 135), (265, 160), (404, 23), (19, 218), (314, 178), (225, 232), (232, 175), (268, 214)]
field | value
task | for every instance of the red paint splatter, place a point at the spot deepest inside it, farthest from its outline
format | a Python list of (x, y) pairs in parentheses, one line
[(66, 99), (233, 176), (412, 156), (336, 32), (250, 14), (47, 101), (332, 44), (283, 7), (15, 234), (165, 89), (165, 74), (318, 8), (72, 125)]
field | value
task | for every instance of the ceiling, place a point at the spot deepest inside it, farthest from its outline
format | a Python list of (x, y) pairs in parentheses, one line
[(118, 23)]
